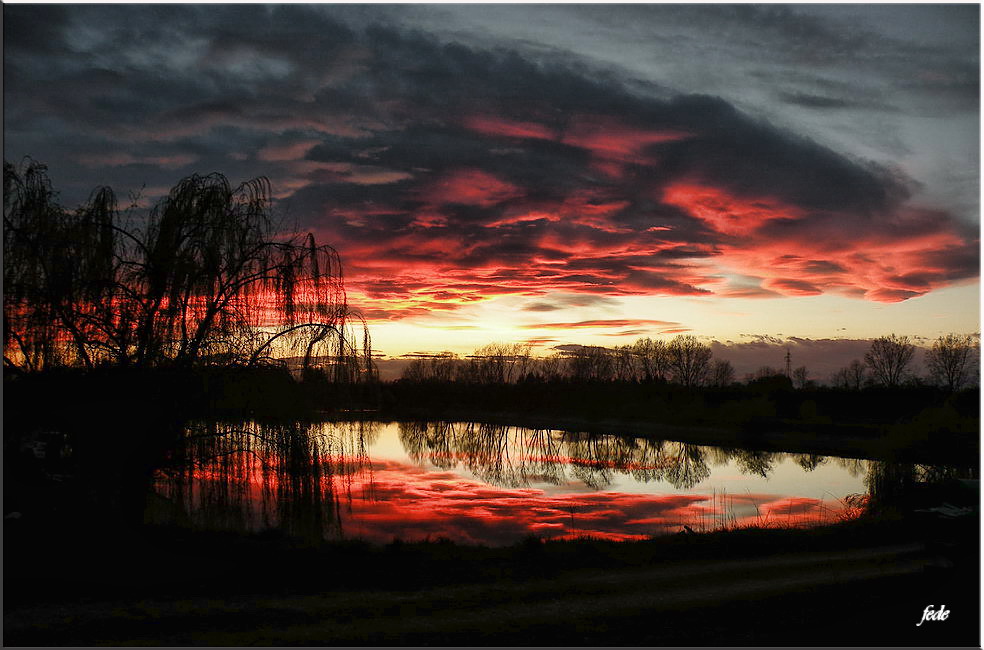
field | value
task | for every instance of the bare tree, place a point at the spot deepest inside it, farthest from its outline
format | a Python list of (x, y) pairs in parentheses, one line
[(856, 374), (590, 363), (443, 366), (950, 360), (550, 368), (764, 372), (690, 360), (500, 363), (888, 357), (623, 363), (652, 357), (841, 379), (722, 373), (800, 377)]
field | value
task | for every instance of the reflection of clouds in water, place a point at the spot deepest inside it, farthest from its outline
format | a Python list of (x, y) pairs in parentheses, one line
[(413, 504), (468, 482)]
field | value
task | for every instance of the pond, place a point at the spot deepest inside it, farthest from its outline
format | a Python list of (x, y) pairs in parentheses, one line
[(486, 484)]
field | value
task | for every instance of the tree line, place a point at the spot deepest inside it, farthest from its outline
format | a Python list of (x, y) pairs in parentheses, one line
[(684, 360), (687, 361), (951, 362), (202, 278)]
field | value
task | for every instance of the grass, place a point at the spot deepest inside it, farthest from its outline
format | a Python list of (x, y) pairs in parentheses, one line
[(169, 561), (727, 587)]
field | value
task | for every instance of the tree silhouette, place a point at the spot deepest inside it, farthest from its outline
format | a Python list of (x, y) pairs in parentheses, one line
[(888, 357), (690, 360), (851, 377), (204, 280), (949, 360), (500, 363), (722, 373), (801, 377), (653, 358)]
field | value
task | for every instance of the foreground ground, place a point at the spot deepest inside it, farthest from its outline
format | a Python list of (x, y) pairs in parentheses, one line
[(863, 597), (76, 576), (857, 584)]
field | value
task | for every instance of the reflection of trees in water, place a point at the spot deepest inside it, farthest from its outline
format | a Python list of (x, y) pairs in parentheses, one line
[(854, 466), (250, 476), (515, 457), (890, 485), (301, 477), (499, 455), (689, 468), (754, 462), (809, 462)]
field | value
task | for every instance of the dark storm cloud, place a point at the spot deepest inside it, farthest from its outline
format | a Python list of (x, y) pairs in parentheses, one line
[(561, 301), (27, 30), (817, 101), (446, 172), (821, 357)]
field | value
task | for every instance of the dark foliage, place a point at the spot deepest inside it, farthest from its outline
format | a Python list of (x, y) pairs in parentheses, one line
[(203, 279)]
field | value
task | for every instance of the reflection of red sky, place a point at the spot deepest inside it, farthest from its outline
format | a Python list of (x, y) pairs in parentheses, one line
[(414, 503), (397, 499)]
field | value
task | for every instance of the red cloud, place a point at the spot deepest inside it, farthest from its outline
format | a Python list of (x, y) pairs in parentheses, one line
[(723, 211), (460, 235), (471, 187), (608, 138), (791, 287), (497, 126), (601, 324), (798, 253), (605, 137)]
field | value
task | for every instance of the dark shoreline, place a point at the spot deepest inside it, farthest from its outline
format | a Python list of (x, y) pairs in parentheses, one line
[(876, 447)]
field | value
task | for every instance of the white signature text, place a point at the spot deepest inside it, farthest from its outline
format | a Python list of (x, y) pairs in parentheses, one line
[(929, 614)]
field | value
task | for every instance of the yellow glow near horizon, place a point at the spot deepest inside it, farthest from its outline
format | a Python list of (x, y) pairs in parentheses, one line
[(508, 319)]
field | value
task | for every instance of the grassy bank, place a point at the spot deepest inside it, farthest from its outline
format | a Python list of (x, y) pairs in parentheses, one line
[(174, 587)]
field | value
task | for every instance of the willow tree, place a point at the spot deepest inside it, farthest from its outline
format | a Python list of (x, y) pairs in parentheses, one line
[(205, 279)]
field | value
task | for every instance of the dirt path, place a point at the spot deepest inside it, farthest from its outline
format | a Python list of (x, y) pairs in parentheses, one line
[(585, 598)]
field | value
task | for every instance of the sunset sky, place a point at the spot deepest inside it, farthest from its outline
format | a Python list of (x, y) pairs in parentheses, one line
[(584, 174)]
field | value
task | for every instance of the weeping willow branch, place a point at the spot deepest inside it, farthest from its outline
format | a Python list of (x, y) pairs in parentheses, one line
[(206, 280)]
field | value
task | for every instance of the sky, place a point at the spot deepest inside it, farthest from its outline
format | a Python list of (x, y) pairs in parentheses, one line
[(774, 175)]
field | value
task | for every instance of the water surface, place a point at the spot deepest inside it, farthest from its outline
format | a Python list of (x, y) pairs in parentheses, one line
[(477, 483)]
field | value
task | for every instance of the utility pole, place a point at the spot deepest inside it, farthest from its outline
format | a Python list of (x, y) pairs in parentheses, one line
[(789, 359)]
